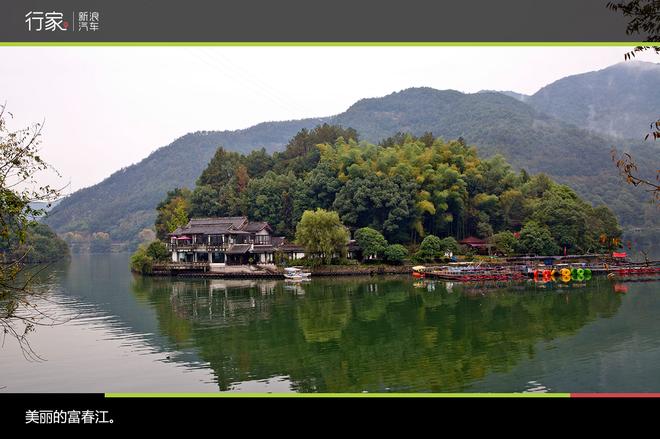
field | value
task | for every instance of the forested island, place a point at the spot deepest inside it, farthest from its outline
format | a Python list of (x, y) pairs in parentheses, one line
[(422, 193)]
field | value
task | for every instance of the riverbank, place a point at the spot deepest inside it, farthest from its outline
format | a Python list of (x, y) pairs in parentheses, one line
[(514, 268), (272, 271)]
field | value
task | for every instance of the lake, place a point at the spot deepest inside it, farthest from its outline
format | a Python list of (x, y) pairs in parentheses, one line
[(120, 332)]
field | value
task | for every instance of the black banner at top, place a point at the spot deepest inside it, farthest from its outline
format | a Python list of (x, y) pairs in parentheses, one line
[(311, 21)]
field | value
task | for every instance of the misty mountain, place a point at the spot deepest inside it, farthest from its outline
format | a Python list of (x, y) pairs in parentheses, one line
[(621, 100), (124, 203)]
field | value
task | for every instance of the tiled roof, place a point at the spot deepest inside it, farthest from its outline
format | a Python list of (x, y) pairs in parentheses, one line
[(471, 240), (292, 247), (262, 249), (238, 249), (235, 221), (216, 226), (277, 241), (255, 226)]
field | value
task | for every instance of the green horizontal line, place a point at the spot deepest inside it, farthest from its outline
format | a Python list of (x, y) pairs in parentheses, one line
[(331, 43), (337, 395)]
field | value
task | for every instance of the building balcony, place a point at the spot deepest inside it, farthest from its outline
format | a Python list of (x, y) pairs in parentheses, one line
[(208, 248)]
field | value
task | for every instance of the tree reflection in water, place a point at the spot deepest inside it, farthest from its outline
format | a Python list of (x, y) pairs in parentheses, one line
[(368, 334)]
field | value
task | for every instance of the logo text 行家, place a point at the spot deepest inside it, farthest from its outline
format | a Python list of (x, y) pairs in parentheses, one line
[(57, 21)]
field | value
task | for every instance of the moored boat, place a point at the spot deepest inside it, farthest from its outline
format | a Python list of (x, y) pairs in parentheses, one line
[(296, 274), (467, 272), (419, 271)]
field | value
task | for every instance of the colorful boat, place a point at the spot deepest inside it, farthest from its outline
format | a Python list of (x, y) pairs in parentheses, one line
[(419, 271)]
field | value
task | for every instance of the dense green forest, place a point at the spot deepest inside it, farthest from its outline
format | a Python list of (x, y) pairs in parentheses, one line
[(41, 245), (123, 205), (406, 188)]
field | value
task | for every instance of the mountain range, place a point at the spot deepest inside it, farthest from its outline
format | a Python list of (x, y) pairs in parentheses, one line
[(566, 129), (621, 100)]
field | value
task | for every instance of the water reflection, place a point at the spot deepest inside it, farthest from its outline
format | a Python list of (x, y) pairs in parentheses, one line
[(368, 334), (336, 335)]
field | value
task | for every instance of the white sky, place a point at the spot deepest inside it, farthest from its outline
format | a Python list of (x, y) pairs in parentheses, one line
[(108, 107)]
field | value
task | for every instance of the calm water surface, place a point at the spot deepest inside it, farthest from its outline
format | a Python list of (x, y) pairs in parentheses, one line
[(127, 333)]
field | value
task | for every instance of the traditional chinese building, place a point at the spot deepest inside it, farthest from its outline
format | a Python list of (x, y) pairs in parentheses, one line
[(481, 246), (229, 241)]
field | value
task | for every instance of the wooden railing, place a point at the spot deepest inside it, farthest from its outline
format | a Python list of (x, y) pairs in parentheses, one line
[(198, 247), (219, 246)]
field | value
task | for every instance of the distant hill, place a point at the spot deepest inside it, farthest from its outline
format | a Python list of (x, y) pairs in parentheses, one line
[(621, 100), (512, 94), (124, 203), (45, 205), (496, 123)]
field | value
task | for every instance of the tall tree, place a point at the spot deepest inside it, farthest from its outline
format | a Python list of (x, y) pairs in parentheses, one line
[(275, 199), (386, 204), (258, 162), (322, 234), (536, 239), (301, 154), (221, 169), (173, 212), (371, 241)]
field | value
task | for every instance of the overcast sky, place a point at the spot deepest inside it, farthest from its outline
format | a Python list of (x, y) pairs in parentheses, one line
[(108, 107)]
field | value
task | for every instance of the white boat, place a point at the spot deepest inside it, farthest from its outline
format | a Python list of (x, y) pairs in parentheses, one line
[(292, 273)]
